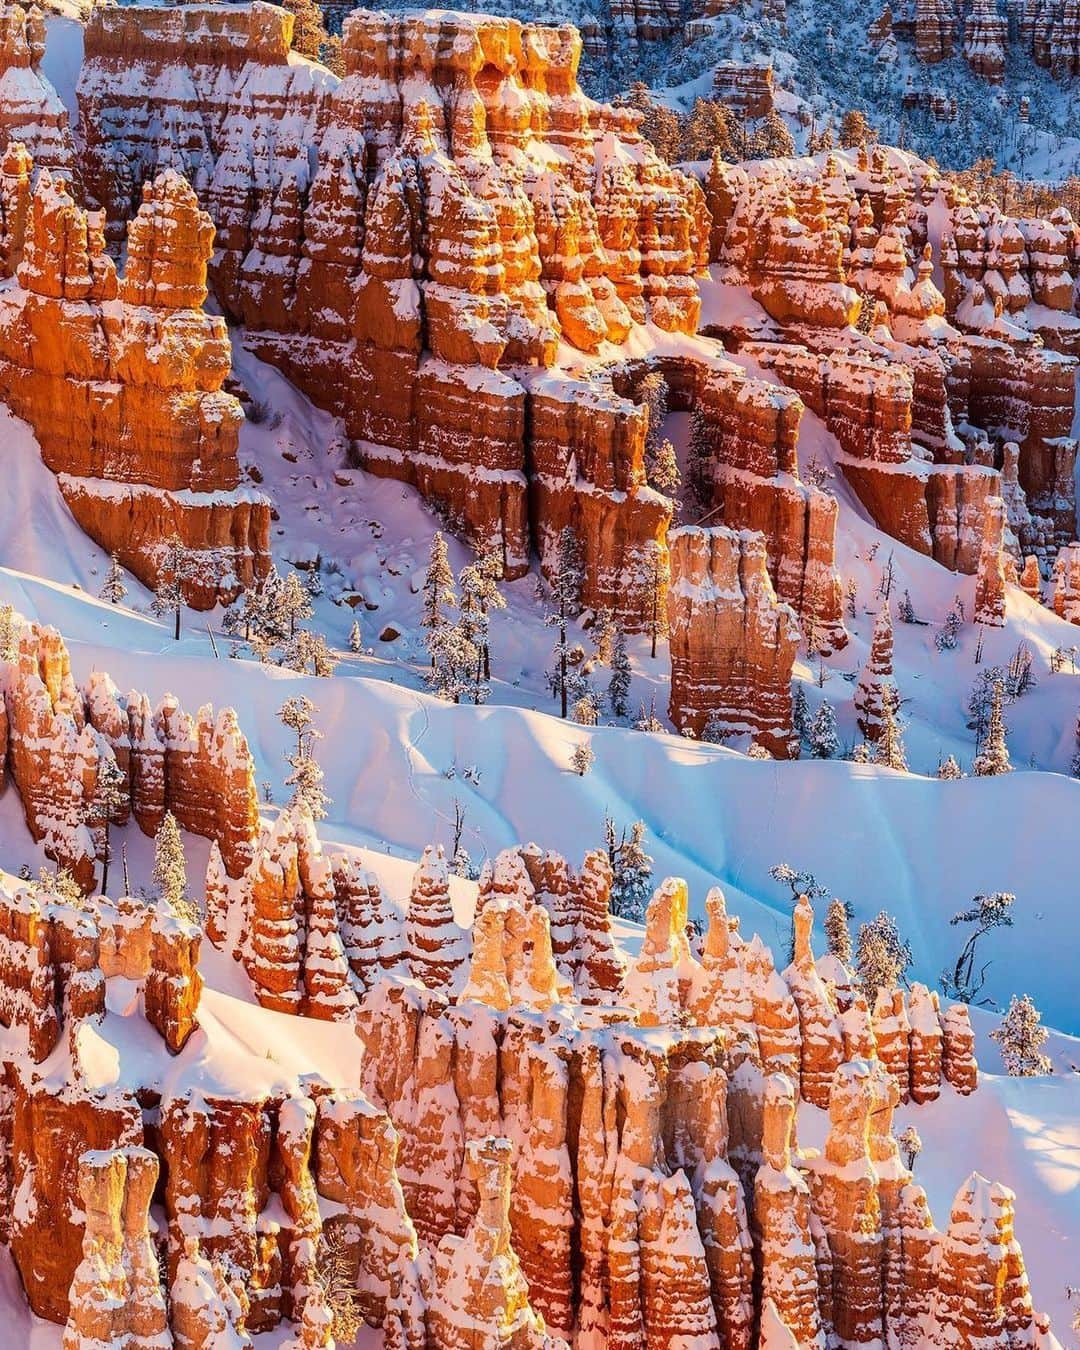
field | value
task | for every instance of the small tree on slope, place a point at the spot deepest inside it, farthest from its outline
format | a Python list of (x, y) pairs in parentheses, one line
[(632, 868), (985, 912), (824, 742), (993, 758), (837, 933), (881, 955), (889, 747), (113, 588), (565, 592), (619, 684), (438, 590), (170, 866), (1021, 1036)]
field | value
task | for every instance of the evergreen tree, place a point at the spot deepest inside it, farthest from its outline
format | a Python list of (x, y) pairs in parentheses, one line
[(772, 140), (837, 933), (709, 132), (565, 593), (113, 589), (109, 799), (948, 635), (949, 769), (9, 647), (652, 394), (170, 865), (296, 714), (438, 590), (855, 130), (176, 568), (1021, 1037), (455, 663), (889, 747), (700, 467), (356, 638), (582, 760), (875, 681), (619, 684), (292, 604), (824, 742), (632, 870), (716, 729), (306, 651), (647, 719), (881, 956), (663, 473), (993, 757), (905, 610), (659, 575), (586, 713), (605, 633), (800, 713), (480, 594), (306, 778)]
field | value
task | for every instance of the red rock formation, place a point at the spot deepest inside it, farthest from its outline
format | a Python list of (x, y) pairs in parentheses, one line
[(745, 87), (1067, 583), (464, 243), (436, 947), (990, 579), (876, 678), (784, 1250), (958, 1056), (986, 37), (31, 111), (821, 1039), (892, 1036), (85, 371), (926, 1044), (935, 30), (720, 586), (116, 1295)]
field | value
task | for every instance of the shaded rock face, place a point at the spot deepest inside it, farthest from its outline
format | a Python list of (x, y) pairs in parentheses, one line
[(732, 642), (986, 39), (57, 739), (807, 238), (120, 378), (1052, 28), (31, 111), (393, 254)]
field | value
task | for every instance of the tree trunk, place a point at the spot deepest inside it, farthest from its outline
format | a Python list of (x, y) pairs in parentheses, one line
[(176, 632)]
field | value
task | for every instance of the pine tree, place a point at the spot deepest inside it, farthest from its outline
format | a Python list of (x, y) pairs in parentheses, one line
[(949, 769), (855, 130), (652, 394), (986, 913), (993, 756), (455, 663), (1021, 1037), (586, 712), (293, 603), (663, 473), (582, 760), (566, 586), (888, 749), (480, 594), (306, 651), (356, 638), (800, 713), (438, 591), (296, 714), (109, 799), (881, 956), (632, 870), (948, 635), (876, 678), (659, 575), (716, 729), (176, 568), (170, 865), (837, 933), (824, 742), (700, 465), (619, 684), (306, 780), (905, 610), (772, 140), (113, 589), (605, 630)]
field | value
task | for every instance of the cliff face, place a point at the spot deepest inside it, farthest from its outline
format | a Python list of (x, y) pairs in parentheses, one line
[(396, 254), (121, 377), (59, 740), (821, 244), (732, 643), (31, 111)]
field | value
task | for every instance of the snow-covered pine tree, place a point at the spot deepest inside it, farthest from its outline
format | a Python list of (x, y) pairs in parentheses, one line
[(113, 589), (800, 713), (566, 583), (582, 760), (824, 742), (652, 394), (659, 575), (837, 933), (455, 661), (855, 130), (700, 468), (772, 140), (109, 798), (306, 780), (586, 713), (716, 729), (296, 714), (949, 769), (292, 604), (619, 685), (175, 569), (633, 870), (876, 677), (663, 472), (479, 594), (1021, 1036), (948, 635), (356, 638), (986, 912), (993, 756), (170, 866), (905, 610), (438, 589), (888, 749), (881, 955)]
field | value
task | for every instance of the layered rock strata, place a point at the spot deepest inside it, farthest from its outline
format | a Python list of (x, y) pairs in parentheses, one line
[(121, 379)]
